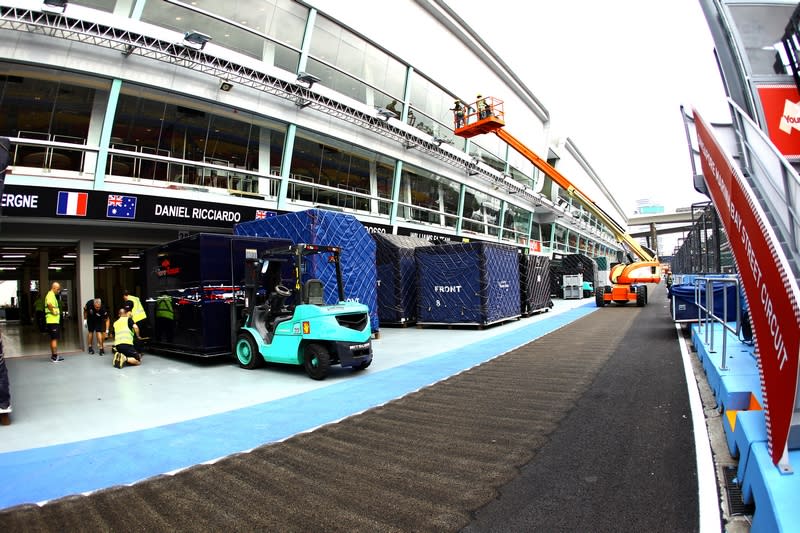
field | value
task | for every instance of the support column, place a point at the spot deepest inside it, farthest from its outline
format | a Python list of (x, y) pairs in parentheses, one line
[(654, 238), (398, 174), (85, 289), (44, 273), (105, 135), (462, 194), (305, 46), (286, 164), (502, 225), (265, 187)]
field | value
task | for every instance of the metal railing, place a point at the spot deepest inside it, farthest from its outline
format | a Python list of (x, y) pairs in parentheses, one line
[(775, 181), (706, 317)]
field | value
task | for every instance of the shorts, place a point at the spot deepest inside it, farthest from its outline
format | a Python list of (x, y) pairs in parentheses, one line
[(98, 326), (128, 351), (54, 330)]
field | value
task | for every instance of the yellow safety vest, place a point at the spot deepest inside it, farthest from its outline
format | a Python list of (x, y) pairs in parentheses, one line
[(137, 313), (122, 333), (55, 316), (164, 308)]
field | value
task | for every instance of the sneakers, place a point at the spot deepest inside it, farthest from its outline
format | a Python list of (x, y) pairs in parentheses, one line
[(101, 352), (119, 360), (91, 350), (56, 358)]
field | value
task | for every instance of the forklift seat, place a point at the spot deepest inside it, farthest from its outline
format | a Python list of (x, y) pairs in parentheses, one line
[(260, 320), (314, 292)]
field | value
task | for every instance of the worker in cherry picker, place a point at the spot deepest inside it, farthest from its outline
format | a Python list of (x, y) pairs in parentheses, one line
[(458, 111), (484, 109)]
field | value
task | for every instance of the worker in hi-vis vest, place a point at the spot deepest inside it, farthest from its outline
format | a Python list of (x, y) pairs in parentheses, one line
[(165, 318), (134, 306), (124, 351)]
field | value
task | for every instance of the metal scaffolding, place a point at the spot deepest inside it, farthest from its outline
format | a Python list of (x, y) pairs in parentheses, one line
[(180, 54)]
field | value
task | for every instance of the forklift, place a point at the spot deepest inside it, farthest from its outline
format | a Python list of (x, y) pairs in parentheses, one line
[(292, 324)]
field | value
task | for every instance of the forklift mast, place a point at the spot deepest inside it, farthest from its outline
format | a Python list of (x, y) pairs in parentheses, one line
[(299, 253)]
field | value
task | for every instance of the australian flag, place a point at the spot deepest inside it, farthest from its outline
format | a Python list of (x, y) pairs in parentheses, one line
[(121, 206)]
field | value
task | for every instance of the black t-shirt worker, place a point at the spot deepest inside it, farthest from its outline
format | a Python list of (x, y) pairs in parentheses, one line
[(98, 322)]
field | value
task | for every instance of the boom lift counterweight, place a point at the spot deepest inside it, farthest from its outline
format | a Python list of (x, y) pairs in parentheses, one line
[(628, 279)]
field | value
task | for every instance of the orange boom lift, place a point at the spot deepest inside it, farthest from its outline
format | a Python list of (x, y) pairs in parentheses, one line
[(628, 280)]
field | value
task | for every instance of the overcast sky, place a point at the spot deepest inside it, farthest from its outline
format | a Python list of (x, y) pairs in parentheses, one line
[(613, 75)]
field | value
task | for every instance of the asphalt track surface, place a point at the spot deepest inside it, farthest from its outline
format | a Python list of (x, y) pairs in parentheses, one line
[(585, 429)]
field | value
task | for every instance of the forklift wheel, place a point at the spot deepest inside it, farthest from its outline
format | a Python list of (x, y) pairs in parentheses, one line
[(316, 361), (247, 352)]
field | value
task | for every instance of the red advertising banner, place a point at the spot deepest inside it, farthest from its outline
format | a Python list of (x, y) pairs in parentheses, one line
[(781, 105), (767, 286)]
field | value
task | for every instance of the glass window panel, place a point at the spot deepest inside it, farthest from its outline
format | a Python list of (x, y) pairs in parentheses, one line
[(338, 81), (45, 110), (432, 100), (191, 130), (536, 232), (356, 58), (546, 232), (761, 28), (481, 213), (560, 237), (487, 157), (284, 21), (430, 198), (515, 224), (100, 5), (337, 173)]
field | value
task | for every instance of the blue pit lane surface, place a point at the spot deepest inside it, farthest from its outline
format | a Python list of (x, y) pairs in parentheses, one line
[(48, 472)]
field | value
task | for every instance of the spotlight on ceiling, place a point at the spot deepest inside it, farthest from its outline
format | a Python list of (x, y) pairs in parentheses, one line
[(305, 77), (225, 85), (195, 39), (54, 6)]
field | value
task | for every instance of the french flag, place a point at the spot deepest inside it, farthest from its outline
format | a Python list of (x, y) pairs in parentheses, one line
[(72, 203)]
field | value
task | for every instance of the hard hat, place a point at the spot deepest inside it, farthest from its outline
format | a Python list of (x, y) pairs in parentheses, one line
[(479, 96)]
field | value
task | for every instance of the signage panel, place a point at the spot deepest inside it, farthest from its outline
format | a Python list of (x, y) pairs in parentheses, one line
[(768, 287), (781, 106), (45, 202)]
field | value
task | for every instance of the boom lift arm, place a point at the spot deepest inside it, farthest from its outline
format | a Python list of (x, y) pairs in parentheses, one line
[(487, 115)]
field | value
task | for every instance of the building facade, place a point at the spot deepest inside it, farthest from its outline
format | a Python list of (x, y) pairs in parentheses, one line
[(136, 122)]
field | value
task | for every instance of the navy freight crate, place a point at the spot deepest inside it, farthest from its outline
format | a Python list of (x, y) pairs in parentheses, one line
[(202, 277), (397, 277), (470, 284), (534, 284), (684, 309), (329, 228)]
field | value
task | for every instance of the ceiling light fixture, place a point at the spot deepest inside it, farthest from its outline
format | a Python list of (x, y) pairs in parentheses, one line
[(196, 39), (308, 78), (54, 6)]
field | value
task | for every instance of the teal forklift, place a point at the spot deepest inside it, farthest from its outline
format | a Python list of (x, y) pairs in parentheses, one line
[(292, 324)]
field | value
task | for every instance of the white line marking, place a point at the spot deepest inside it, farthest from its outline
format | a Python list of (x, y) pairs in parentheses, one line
[(707, 496)]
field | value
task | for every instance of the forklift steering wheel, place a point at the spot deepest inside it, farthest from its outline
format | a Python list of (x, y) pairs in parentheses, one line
[(283, 290)]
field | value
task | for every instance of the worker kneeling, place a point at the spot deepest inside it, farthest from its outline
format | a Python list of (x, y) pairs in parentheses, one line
[(123, 331)]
